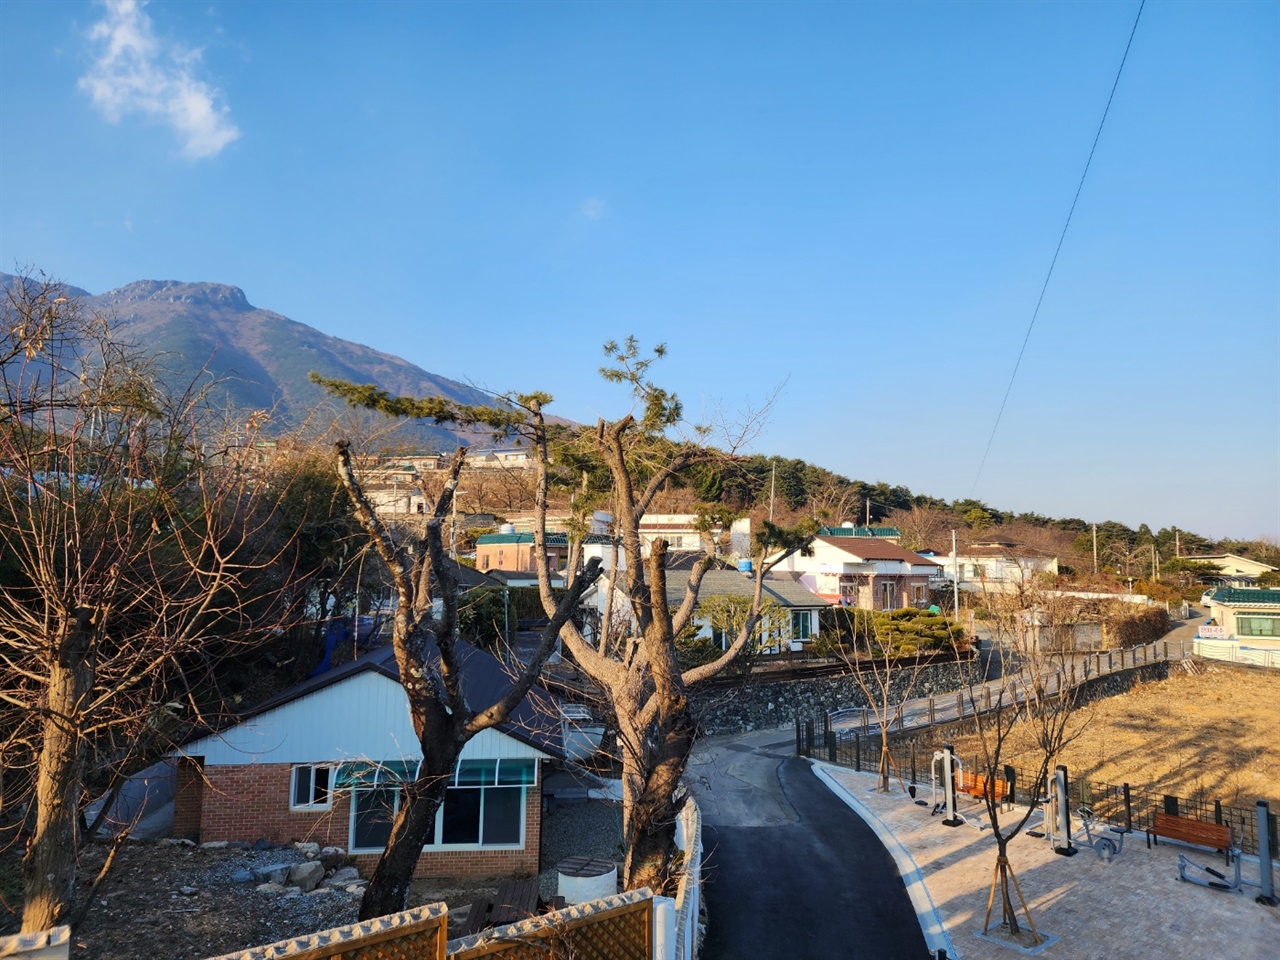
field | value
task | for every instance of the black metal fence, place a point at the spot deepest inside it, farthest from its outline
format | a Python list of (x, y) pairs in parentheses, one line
[(1118, 804)]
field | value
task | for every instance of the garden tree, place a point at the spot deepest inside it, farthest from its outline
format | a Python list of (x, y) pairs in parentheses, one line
[(726, 616), (638, 671), (133, 561), (443, 719), (1034, 692), (886, 651)]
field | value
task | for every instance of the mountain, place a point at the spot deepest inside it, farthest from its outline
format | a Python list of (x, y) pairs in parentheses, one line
[(262, 358)]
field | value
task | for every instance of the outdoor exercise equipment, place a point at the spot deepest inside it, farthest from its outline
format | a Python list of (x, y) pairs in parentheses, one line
[(1105, 847), (1057, 815), (950, 765), (1216, 880)]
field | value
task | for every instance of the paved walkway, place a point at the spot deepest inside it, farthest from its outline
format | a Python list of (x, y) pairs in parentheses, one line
[(1133, 907)]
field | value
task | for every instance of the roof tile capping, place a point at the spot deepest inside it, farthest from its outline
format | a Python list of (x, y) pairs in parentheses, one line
[(1247, 596)]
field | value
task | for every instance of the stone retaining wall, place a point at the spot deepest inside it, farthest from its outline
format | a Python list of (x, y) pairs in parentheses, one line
[(759, 704)]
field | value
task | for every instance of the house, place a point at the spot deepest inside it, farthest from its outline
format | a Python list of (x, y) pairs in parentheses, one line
[(326, 760), (801, 606), (681, 532), (1246, 614), (1233, 568), (866, 572), (994, 566), (513, 551)]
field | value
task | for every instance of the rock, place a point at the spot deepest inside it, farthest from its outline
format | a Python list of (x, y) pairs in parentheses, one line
[(343, 876), (357, 888), (290, 893), (261, 844), (332, 857), (275, 873), (308, 850), (178, 842), (188, 891), (319, 890), (271, 888), (214, 845), (242, 876), (306, 875)]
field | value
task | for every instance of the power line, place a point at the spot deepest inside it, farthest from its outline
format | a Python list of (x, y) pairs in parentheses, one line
[(1052, 263)]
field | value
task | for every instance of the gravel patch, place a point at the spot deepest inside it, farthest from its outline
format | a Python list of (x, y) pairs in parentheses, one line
[(589, 828)]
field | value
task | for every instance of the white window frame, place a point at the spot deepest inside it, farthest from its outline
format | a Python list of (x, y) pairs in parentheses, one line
[(311, 769), (435, 844)]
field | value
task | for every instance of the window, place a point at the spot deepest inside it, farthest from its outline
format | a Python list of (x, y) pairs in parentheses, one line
[(310, 788), (886, 596), (800, 625), (917, 592), (371, 817), (483, 806), (1258, 626)]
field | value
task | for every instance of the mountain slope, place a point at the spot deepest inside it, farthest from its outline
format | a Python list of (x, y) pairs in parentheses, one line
[(262, 358)]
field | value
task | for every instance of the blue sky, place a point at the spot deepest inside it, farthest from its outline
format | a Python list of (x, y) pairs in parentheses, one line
[(855, 202)]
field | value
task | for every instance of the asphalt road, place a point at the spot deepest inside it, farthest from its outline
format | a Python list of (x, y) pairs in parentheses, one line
[(791, 871)]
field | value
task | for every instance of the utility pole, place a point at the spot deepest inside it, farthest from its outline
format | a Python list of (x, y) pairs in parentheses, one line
[(955, 574), (868, 514), (1095, 548), (1177, 543)]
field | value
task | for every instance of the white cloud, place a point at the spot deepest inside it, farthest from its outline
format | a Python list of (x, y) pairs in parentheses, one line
[(134, 72), (593, 209)]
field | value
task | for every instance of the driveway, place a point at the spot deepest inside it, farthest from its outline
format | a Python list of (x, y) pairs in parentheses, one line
[(791, 871)]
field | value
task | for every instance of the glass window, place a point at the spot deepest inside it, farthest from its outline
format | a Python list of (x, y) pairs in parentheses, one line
[(503, 815), (476, 773), (461, 815), (800, 625), (517, 772), (1258, 626), (374, 810), (310, 789)]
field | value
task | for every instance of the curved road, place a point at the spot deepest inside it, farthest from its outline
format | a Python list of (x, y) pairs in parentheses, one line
[(791, 871)]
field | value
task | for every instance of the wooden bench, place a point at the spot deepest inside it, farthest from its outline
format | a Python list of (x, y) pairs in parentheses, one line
[(515, 900), (976, 786), (1200, 833)]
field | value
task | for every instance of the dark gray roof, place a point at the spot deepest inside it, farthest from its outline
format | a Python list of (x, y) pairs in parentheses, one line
[(730, 583)]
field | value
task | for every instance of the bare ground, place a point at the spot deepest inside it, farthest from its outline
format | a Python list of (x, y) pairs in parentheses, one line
[(142, 910), (1210, 736)]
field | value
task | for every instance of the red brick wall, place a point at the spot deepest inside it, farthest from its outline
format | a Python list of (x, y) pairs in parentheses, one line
[(251, 801), (187, 797)]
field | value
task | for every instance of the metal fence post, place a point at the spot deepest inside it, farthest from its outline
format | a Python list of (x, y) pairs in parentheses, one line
[(808, 736), (831, 746), (857, 753), (1128, 809), (959, 706), (931, 720)]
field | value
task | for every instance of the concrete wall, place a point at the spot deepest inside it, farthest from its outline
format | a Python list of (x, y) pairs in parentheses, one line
[(759, 705)]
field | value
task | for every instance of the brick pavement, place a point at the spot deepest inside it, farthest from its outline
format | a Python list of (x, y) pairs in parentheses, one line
[(1133, 907)]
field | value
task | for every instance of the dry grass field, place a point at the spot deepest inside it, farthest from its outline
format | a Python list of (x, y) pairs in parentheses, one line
[(1215, 735)]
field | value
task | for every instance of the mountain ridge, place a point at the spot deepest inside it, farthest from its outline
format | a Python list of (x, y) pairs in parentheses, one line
[(260, 358)]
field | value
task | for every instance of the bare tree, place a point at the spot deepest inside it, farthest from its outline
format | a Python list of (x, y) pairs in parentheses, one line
[(639, 672), (443, 719), (131, 560), (922, 527), (886, 664), (1038, 702)]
